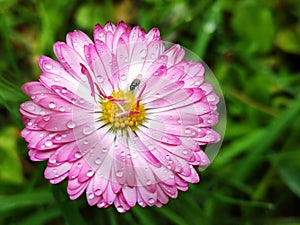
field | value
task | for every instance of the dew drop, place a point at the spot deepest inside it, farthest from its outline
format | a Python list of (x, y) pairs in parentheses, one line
[(209, 121), (149, 182), (48, 143), (52, 105), (211, 98), (85, 142), (153, 56), (98, 161), (77, 155), (81, 101), (79, 165), (98, 192), (64, 90), (197, 83), (90, 173), (119, 173), (31, 107), (58, 137), (151, 200), (104, 149), (185, 152), (29, 124), (100, 34), (52, 160), (143, 53), (101, 204), (91, 196), (150, 147), (123, 77), (120, 209), (134, 154), (116, 146), (187, 131), (61, 108), (87, 130), (42, 135), (70, 124), (48, 66), (179, 121), (56, 79)]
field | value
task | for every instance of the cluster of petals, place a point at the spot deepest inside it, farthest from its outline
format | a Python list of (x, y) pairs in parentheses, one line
[(145, 166)]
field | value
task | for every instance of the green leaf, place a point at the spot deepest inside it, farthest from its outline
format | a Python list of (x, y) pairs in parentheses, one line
[(10, 165), (291, 178), (41, 217), (24, 200), (289, 40), (68, 207), (253, 22)]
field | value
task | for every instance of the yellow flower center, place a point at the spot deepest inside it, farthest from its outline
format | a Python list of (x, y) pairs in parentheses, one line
[(122, 110)]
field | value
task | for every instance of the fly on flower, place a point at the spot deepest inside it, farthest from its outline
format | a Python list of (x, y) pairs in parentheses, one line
[(121, 117)]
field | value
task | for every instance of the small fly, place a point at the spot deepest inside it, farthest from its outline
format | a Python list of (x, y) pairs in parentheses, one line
[(135, 83)]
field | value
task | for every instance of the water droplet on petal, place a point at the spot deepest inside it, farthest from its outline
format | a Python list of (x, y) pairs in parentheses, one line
[(71, 124), (87, 130), (78, 155), (151, 200), (185, 152), (209, 121), (211, 98), (149, 182), (187, 131), (98, 192), (90, 173), (56, 79), (30, 107), (85, 142), (42, 135), (104, 149), (143, 53), (98, 161), (91, 196), (123, 77), (150, 147), (119, 173), (58, 137), (120, 209), (48, 65), (64, 90), (101, 34), (81, 101), (79, 165), (29, 124), (52, 105), (61, 108), (153, 56), (134, 154), (52, 160), (197, 83), (48, 143), (101, 204)]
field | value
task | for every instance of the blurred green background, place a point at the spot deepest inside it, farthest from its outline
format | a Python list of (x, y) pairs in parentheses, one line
[(253, 47)]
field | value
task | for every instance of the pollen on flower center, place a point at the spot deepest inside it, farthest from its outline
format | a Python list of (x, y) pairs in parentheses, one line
[(122, 110)]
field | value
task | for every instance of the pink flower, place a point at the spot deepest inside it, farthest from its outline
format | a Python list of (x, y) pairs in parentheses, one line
[(122, 118)]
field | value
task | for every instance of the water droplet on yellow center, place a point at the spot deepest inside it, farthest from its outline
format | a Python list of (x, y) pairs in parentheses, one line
[(122, 111)]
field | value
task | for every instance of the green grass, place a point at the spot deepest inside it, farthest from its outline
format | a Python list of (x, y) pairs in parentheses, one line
[(253, 48)]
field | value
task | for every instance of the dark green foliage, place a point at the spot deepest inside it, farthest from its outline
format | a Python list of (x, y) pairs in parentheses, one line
[(252, 46)]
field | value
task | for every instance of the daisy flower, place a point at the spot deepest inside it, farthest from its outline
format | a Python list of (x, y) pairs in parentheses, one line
[(121, 117)]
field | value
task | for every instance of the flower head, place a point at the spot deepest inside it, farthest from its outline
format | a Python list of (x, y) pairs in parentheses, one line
[(121, 118)]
